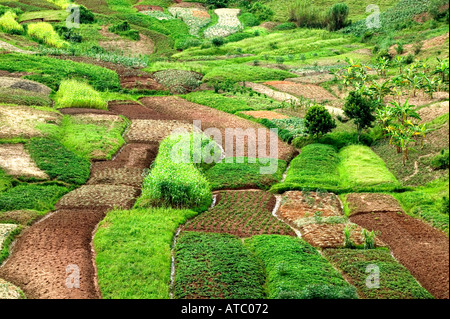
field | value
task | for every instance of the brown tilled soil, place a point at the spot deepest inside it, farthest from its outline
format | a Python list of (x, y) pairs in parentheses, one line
[(433, 111), (182, 110), (129, 176), (314, 78), (141, 83), (75, 111), (419, 247), (154, 131), (270, 115), (332, 235), (370, 202), (135, 111), (310, 91), (43, 253)]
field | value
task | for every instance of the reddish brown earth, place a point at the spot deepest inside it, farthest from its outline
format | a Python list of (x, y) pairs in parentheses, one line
[(43, 252), (140, 83), (135, 111), (184, 111), (148, 8), (369, 203), (423, 250), (75, 111)]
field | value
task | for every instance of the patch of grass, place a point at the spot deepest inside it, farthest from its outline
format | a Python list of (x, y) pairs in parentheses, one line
[(243, 72), (45, 15), (360, 167), (396, 282), (175, 184), (315, 167), (9, 24), (52, 72), (216, 266), (31, 196), (43, 32), (58, 162), (242, 174), (296, 270), (232, 102), (22, 97), (134, 252), (5, 181), (429, 202), (72, 93)]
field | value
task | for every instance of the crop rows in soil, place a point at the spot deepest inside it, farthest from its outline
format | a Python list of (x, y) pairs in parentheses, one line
[(241, 213)]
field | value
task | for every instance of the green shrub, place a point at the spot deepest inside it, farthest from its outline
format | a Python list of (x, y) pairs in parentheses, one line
[(249, 20), (296, 270), (217, 42), (4, 9), (318, 121), (141, 238), (441, 161), (5, 181), (9, 24), (175, 184), (31, 196), (337, 16), (436, 9), (360, 109), (238, 37), (285, 26), (44, 33), (86, 15), (72, 93), (58, 162)]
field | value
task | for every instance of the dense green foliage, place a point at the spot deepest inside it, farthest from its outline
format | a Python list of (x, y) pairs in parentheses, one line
[(241, 72), (395, 280), (296, 270), (360, 109), (318, 121), (133, 252), (31, 196), (216, 266), (5, 181), (58, 162), (72, 93)]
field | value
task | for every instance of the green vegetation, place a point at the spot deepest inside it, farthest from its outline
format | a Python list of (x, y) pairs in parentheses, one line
[(72, 93), (5, 247), (52, 72), (31, 196), (318, 121), (22, 97), (44, 33), (58, 162), (395, 280), (359, 166), (216, 266), (133, 252), (242, 174), (179, 81), (5, 181), (9, 24), (241, 72), (176, 181), (296, 270)]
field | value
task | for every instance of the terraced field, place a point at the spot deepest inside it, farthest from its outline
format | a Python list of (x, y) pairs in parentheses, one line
[(161, 149)]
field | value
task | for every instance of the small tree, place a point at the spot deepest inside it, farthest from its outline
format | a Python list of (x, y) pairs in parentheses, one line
[(318, 121), (360, 109)]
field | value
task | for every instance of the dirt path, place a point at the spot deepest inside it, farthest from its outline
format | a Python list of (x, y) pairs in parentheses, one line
[(60, 245), (9, 47), (423, 250)]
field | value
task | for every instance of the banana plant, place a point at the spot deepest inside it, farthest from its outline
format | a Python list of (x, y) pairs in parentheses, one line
[(421, 131), (430, 85), (416, 83), (380, 90), (400, 60), (382, 65), (442, 69)]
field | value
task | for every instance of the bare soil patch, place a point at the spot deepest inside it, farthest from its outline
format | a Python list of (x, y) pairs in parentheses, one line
[(181, 4), (148, 8), (433, 111), (9, 47), (270, 115), (135, 155), (95, 196), (41, 256), (154, 131), (297, 204), (427, 44), (16, 161), (128, 47), (242, 213), (315, 78), (310, 91), (332, 235), (419, 247), (141, 83), (74, 111), (26, 85), (135, 111), (187, 112), (21, 121), (369, 203), (117, 176)]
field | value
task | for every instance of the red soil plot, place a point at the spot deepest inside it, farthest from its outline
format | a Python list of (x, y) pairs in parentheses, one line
[(310, 91), (241, 213)]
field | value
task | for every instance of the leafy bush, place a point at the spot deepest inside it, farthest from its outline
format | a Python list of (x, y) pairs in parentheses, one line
[(435, 9), (86, 15), (73, 93), (5, 181), (175, 184), (31, 196), (58, 162), (295, 269), (144, 238), (249, 20), (4, 9), (261, 11), (318, 121), (238, 37), (360, 109), (9, 24), (441, 161), (217, 42), (124, 29), (44, 33), (285, 26), (337, 16)]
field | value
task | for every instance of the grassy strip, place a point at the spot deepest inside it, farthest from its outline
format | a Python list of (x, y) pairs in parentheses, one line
[(58, 162), (243, 72), (396, 282), (429, 202), (295, 270), (31, 196), (172, 183), (216, 266), (72, 93), (52, 72), (133, 252), (22, 97), (238, 175), (315, 167), (359, 166)]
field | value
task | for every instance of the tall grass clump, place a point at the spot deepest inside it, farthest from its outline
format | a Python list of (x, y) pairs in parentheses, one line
[(304, 14), (176, 183), (8, 23), (43, 32), (337, 16), (73, 93)]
